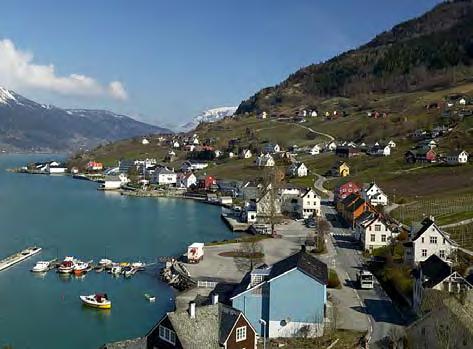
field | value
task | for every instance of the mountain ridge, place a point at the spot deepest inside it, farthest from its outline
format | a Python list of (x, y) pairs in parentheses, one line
[(28, 126)]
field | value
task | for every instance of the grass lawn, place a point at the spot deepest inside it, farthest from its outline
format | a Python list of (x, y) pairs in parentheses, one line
[(248, 238)]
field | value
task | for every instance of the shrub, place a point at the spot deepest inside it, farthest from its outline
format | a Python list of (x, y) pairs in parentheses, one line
[(333, 280)]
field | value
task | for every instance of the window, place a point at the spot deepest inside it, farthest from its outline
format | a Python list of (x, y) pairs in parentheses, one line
[(377, 227), (383, 238), (424, 253), (373, 237), (167, 335), (422, 239), (433, 239), (442, 254), (241, 333), (369, 228)]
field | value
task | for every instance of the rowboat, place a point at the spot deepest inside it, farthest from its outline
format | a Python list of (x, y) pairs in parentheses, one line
[(150, 297), (99, 301)]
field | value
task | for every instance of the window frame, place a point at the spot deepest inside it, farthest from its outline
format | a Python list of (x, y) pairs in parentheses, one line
[(167, 335), (240, 333)]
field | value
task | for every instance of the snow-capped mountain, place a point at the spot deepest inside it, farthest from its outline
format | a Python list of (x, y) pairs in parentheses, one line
[(210, 115), (29, 126)]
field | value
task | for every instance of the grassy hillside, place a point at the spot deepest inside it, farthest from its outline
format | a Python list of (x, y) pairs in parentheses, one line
[(433, 50)]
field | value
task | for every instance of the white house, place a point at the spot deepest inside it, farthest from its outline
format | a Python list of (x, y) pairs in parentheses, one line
[(314, 113), (176, 144), (309, 204), (458, 157), (297, 169), (115, 182), (271, 148), (218, 153), (246, 154), (231, 155), (331, 146), (262, 115), (144, 141), (193, 165), (462, 101), (269, 203), (373, 231), (374, 195), (436, 274), (186, 180), (392, 144), (379, 150), (315, 150), (427, 240), (265, 160), (55, 167), (164, 176)]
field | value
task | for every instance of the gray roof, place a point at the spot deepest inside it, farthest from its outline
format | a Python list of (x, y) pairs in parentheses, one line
[(210, 327)]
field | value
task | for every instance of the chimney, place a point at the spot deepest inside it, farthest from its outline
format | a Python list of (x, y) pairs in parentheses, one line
[(192, 310), (214, 298)]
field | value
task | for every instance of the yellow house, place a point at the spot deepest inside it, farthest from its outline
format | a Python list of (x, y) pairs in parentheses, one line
[(340, 169)]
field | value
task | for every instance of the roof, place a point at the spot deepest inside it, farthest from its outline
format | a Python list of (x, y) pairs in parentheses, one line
[(456, 153), (303, 261), (210, 327), (434, 270), (425, 225), (136, 343)]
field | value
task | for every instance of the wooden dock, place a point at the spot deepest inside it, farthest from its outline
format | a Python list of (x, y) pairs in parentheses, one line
[(18, 257)]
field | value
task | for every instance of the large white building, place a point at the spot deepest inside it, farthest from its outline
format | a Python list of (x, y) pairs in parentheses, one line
[(458, 157), (309, 204), (373, 231), (374, 195), (164, 176), (427, 240)]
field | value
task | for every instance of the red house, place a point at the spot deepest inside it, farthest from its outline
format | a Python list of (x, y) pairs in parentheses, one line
[(206, 182), (420, 155), (343, 190)]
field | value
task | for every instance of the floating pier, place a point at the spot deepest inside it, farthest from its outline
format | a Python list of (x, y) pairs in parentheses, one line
[(18, 257)]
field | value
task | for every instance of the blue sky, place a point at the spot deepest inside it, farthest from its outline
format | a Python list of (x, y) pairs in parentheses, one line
[(165, 61)]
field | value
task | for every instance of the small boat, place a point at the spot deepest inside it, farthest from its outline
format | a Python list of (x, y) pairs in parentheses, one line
[(80, 268), (124, 264), (138, 265), (116, 270), (150, 297), (129, 271), (41, 267), (67, 266), (99, 269), (99, 301), (104, 262)]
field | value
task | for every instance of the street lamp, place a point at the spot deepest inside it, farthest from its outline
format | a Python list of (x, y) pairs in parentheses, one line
[(263, 322)]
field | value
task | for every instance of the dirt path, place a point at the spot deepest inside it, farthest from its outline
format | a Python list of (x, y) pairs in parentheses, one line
[(309, 129)]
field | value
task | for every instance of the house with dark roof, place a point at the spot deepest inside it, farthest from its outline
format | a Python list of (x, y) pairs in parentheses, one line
[(352, 207), (420, 155), (373, 231), (347, 151), (268, 293), (434, 273), (211, 326), (426, 240)]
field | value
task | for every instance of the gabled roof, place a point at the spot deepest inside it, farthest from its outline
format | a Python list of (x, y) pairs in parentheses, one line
[(426, 224), (209, 329), (456, 153), (434, 269), (302, 261)]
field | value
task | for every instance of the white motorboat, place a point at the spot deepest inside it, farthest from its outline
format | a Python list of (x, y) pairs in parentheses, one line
[(116, 270), (41, 267), (105, 262), (80, 268), (67, 265), (138, 265), (99, 301), (129, 271)]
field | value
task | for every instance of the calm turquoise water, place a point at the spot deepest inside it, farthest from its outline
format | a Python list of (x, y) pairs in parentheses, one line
[(70, 217)]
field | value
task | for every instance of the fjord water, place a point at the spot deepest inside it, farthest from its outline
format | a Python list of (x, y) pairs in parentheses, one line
[(70, 217)]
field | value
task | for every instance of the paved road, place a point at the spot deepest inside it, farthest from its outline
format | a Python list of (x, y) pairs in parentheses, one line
[(374, 304), (319, 185)]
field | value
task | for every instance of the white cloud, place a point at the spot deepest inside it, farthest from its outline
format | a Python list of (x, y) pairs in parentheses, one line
[(17, 70)]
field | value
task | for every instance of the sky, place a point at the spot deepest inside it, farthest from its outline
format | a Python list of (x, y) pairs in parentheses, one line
[(164, 61)]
